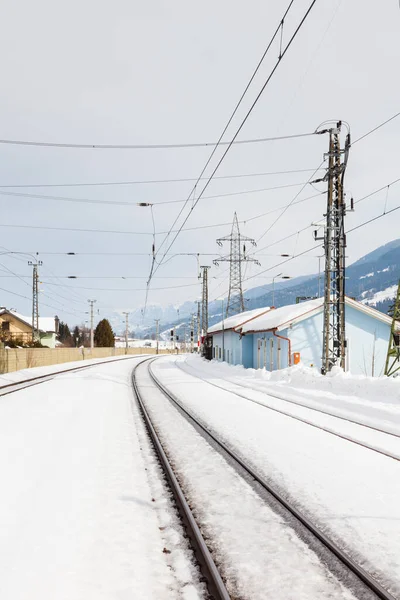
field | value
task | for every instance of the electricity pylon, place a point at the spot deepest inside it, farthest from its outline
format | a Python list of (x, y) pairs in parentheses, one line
[(35, 300), (334, 333), (204, 301), (393, 353), (236, 257)]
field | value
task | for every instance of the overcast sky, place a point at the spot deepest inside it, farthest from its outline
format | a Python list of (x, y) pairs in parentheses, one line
[(128, 72)]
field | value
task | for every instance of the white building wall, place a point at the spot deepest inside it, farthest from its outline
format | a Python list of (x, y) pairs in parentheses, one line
[(366, 336), (231, 343), (368, 341)]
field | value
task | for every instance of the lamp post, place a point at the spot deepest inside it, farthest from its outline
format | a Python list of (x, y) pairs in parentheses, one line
[(273, 285)]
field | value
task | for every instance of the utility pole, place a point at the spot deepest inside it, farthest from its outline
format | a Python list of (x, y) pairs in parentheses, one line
[(35, 299), (236, 257), (91, 302), (204, 301), (198, 326), (157, 333), (126, 331), (334, 334), (392, 365), (192, 333)]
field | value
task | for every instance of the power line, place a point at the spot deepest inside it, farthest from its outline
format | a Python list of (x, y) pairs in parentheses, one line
[(290, 203), (136, 203), (375, 128), (99, 276), (153, 181), (151, 146), (320, 245), (281, 55), (107, 289), (76, 229)]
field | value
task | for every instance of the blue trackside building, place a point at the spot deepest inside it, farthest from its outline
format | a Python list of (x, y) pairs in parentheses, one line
[(275, 338)]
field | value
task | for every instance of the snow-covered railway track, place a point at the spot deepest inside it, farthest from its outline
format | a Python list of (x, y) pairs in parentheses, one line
[(208, 568), (354, 438), (369, 582), (10, 388)]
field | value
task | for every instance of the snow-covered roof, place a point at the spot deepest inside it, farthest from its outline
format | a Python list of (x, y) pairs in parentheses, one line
[(47, 324), (285, 316), (237, 320)]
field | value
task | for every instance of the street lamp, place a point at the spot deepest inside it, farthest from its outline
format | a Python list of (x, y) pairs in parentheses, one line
[(273, 284)]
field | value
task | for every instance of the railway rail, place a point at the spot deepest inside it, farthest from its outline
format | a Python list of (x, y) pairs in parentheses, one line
[(208, 568), (304, 420), (361, 574), (10, 388)]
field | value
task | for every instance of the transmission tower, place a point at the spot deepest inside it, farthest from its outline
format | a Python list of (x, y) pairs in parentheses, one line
[(236, 257), (334, 333), (204, 301), (393, 353), (35, 299)]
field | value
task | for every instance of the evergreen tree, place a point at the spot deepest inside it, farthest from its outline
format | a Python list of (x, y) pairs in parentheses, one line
[(77, 336), (64, 334), (104, 335)]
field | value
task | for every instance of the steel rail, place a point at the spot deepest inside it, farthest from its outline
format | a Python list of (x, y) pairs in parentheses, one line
[(27, 383), (209, 570), (356, 569), (302, 419)]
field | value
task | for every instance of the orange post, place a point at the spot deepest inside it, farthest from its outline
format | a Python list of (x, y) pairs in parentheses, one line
[(296, 358)]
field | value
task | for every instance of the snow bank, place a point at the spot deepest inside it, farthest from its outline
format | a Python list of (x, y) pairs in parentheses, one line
[(383, 389)]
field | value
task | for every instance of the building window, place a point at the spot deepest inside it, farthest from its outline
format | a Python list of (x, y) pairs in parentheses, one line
[(213, 351), (5, 326), (220, 353)]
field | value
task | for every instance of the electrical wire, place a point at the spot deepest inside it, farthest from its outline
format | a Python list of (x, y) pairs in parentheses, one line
[(375, 128), (291, 203), (136, 203), (107, 289), (281, 55), (153, 181), (153, 146)]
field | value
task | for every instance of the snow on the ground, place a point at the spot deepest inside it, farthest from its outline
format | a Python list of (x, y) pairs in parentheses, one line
[(347, 490), (370, 400), (23, 374), (257, 552), (318, 416), (84, 514)]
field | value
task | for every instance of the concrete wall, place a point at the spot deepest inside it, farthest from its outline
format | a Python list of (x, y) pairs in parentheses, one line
[(15, 359)]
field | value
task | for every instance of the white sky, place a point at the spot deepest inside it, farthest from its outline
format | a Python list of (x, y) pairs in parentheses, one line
[(128, 72)]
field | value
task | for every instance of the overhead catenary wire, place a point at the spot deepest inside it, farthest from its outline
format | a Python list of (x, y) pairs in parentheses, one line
[(137, 202), (375, 128), (281, 56), (152, 146), (224, 130), (153, 181)]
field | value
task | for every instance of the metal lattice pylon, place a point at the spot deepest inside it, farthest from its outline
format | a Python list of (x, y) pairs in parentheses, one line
[(392, 365), (204, 301), (334, 335), (35, 300), (236, 257)]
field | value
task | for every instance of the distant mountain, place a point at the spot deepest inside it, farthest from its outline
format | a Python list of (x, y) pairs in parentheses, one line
[(372, 280)]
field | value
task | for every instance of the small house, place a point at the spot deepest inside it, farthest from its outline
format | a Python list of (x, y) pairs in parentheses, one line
[(274, 338), (16, 327)]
